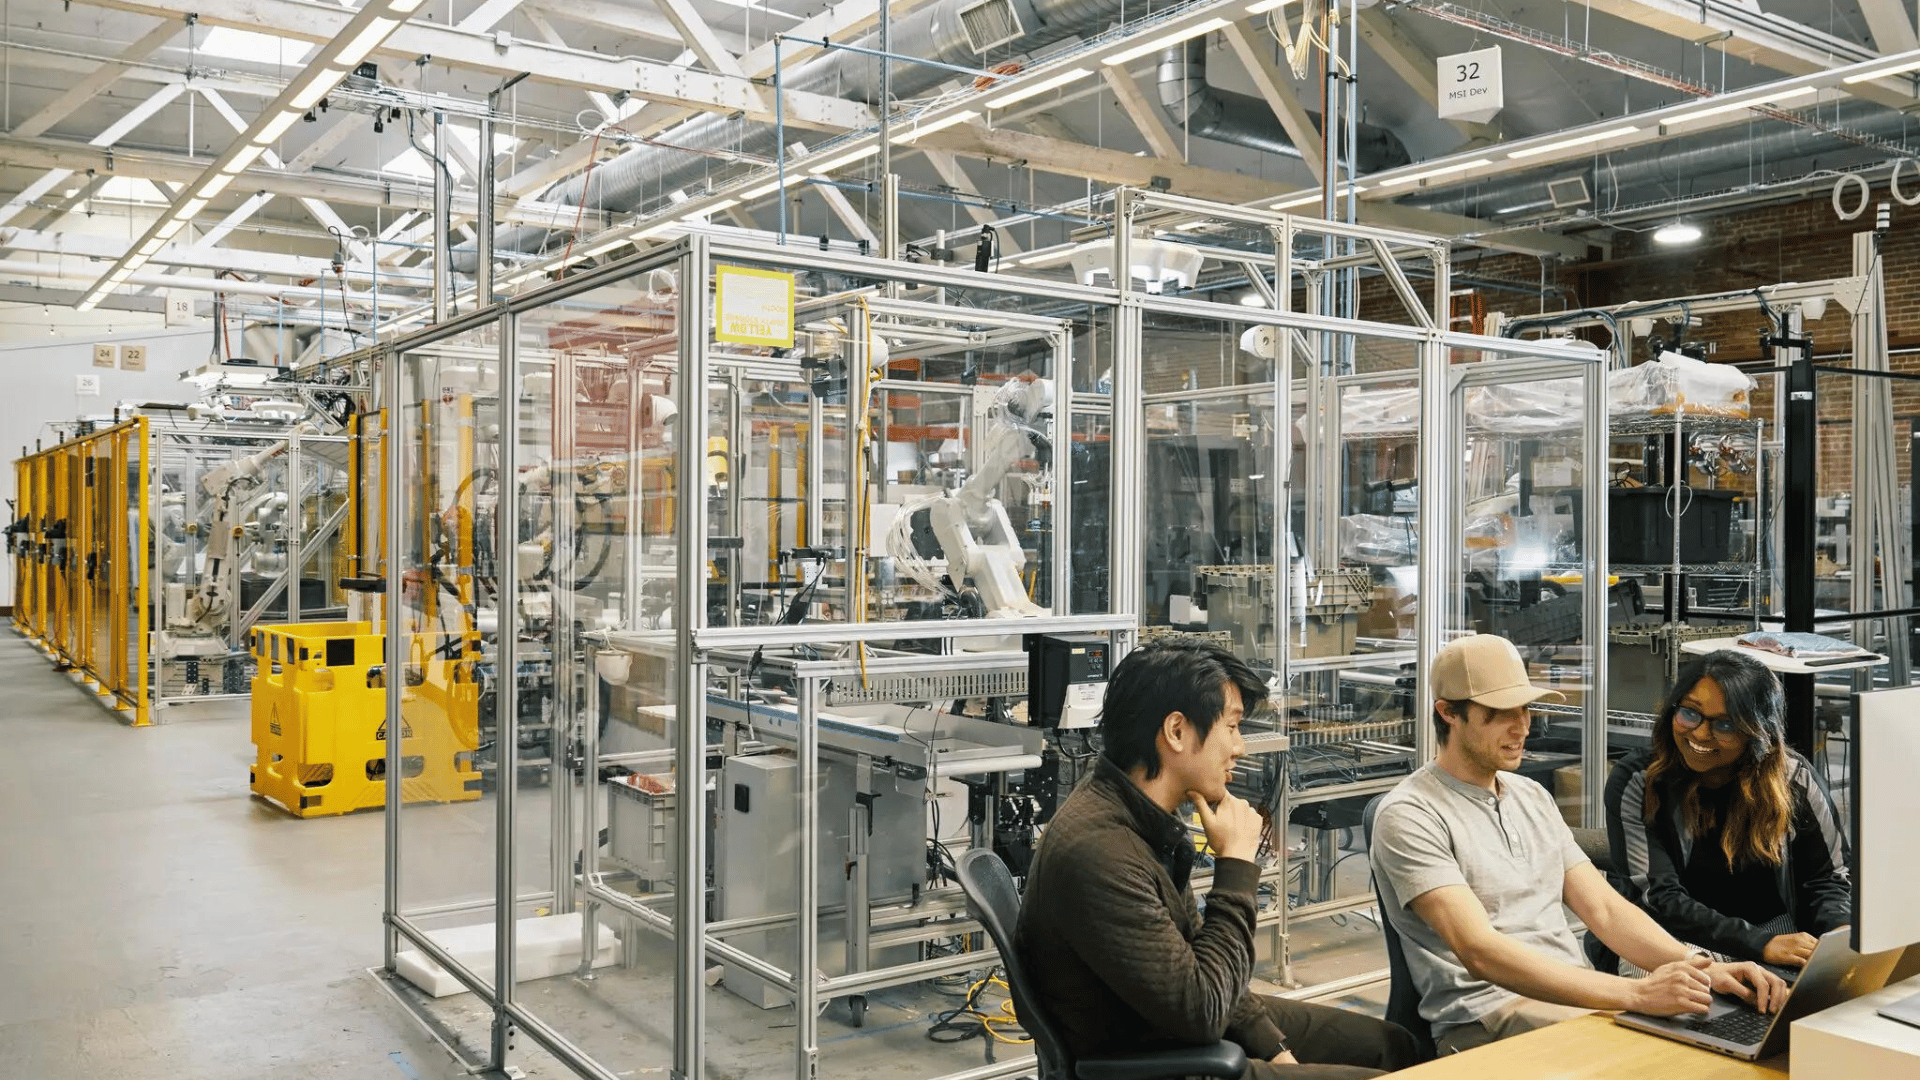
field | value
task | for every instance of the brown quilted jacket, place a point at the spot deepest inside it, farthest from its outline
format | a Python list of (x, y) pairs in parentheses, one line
[(1115, 944)]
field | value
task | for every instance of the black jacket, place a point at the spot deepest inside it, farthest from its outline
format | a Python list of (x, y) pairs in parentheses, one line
[(1119, 951), (1812, 877)]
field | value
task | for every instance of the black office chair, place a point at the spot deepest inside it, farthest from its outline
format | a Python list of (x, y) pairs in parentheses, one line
[(994, 902), (1403, 999)]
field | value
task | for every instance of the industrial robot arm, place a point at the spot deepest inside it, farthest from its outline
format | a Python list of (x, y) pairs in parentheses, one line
[(226, 483), (971, 523)]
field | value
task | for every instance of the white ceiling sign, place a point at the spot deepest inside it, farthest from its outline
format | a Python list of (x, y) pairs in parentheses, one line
[(1471, 86)]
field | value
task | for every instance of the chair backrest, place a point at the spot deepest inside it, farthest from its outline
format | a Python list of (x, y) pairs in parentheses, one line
[(1403, 998), (992, 900)]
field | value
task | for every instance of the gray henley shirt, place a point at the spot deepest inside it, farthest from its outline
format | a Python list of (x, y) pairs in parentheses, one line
[(1512, 850)]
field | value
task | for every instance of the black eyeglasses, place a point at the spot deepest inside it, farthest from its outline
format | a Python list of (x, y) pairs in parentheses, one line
[(1687, 719)]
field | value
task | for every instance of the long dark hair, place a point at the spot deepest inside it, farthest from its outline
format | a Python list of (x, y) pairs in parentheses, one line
[(1762, 808)]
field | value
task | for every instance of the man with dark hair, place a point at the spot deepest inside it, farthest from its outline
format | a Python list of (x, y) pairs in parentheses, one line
[(1477, 869), (1119, 950)]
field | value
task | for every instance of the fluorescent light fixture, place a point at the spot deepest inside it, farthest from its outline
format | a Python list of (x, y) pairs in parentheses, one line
[(723, 204), (1164, 40), (242, 159), (1252, 300), (317, 86), (941, 124), (1679, 232), (1746, 103), (1051, 82), (1264, 6), (373, 34), (188, 209), (152, 245), (275, 128), (166, 231), (1870, 74), (847, 158), (1568, 144), (1304, 198), (216, 185), (1458, 166), (404, 7)]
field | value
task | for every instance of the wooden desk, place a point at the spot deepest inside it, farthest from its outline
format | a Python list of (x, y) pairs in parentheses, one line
[(1592, 1048)]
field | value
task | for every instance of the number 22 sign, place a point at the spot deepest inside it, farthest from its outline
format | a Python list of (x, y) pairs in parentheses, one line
[(1471, 87)]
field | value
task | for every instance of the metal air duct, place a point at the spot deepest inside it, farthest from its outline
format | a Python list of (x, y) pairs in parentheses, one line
[(1249, 121), (1638, 175)]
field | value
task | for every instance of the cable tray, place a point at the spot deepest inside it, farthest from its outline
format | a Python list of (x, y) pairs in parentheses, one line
[(925, 686)]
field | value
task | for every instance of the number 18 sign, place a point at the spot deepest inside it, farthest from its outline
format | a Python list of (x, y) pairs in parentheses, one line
[(1470, 85)]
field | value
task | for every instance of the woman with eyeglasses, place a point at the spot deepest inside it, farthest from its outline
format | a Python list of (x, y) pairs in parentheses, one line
[(1728, 835)]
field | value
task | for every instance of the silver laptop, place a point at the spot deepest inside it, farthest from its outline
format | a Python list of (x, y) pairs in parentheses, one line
[(1835, 973)]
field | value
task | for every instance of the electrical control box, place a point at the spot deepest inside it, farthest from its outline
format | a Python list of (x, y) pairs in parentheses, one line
[(1066, 678)]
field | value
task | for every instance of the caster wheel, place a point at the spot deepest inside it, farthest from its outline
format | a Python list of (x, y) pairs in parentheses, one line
[(857, 1009)]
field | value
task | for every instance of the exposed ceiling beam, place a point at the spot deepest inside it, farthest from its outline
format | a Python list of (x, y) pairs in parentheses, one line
[(838, 23), (1118, 167), (97, 80), (312, 20), (1147, 117), (1891, 24), (701, 38), (1744, 31), (65, 206), (1279, 95), (317, 208), (40, 294), (234, 220), (488, 15), (200, 254), (621, 18), (161, 165), (1415, 67), (837, 201), (133, 118), (602, 102), (954, 175)]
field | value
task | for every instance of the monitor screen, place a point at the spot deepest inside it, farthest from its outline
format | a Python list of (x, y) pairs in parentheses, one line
[(1886, 805)]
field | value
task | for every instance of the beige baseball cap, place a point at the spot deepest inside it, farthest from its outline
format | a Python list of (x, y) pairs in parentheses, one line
[(1485, 668)]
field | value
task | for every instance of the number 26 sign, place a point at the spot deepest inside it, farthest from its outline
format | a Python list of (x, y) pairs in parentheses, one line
[(1471, 87)]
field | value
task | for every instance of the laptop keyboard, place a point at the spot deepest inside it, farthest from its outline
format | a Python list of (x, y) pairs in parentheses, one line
[(1744, 1026)]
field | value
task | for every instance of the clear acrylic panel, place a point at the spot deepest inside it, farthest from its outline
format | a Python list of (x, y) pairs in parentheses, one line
[(599, 798), (443, 457)]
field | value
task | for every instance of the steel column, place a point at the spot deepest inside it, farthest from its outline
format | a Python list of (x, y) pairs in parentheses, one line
[(507, 699), (690, 674)]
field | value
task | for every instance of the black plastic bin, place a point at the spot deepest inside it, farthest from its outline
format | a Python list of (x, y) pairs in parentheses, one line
[(1640, 525)]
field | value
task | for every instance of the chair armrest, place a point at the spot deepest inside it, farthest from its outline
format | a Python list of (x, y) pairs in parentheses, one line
[(1223, 1060)]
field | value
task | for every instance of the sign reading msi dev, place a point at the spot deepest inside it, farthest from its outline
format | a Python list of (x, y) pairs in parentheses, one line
[(1471, 87)]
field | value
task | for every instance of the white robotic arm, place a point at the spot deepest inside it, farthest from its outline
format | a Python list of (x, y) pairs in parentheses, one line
[(203, 611), (971, 523)]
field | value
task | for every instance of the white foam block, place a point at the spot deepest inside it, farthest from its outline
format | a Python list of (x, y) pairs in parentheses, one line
[(544, 946)]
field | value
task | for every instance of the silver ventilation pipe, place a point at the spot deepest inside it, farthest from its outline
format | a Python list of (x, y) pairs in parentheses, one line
[(1244, 120), (1630, 176), (951, 31)]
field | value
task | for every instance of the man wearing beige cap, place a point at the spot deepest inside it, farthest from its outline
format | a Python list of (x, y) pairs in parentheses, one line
[(1474, 863)]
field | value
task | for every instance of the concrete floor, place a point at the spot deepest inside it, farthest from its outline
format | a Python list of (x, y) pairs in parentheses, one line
[(164, 924), (169, 925)]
